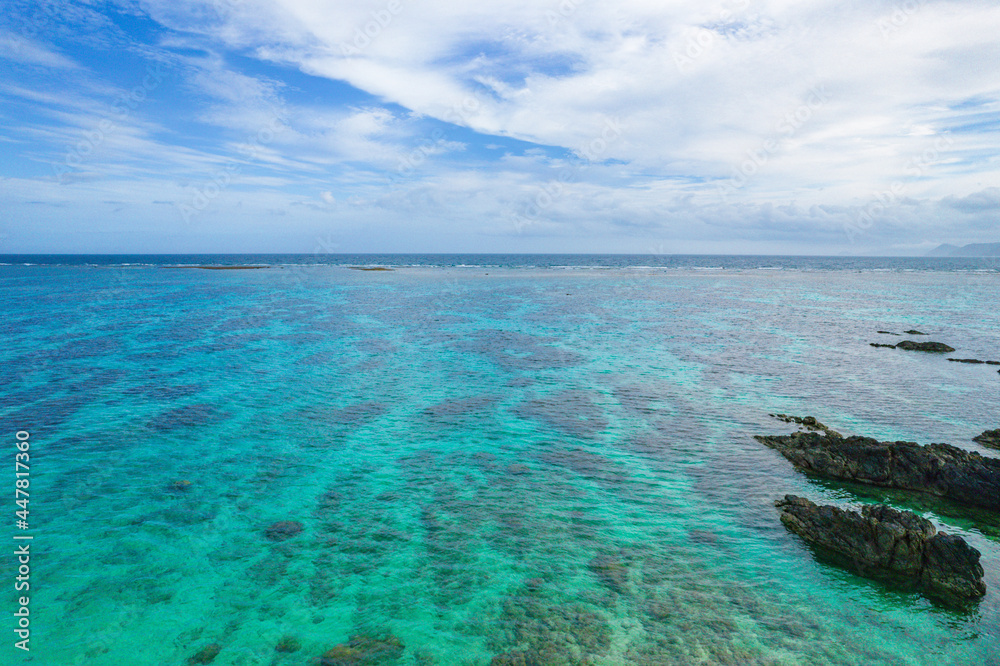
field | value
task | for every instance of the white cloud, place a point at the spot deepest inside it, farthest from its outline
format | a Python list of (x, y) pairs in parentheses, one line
[(688, 120), (696, 85), (23, 50)]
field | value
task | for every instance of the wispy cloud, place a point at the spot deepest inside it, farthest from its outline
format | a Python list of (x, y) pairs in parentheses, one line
[(740, 123)]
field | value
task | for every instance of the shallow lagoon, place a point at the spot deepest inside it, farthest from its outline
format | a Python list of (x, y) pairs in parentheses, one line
[(484, 459)]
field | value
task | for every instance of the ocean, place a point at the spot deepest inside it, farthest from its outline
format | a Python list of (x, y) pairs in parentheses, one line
[(523, 459)]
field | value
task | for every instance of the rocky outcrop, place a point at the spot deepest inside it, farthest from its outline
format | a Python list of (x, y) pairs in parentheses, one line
[(913, 332), (882, 542), (939, 469), (888, 333), (973, 360), (808, 422), (910, 345), (879, 344), (990, 438)]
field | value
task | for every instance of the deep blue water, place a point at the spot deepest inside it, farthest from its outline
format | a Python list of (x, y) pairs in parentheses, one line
[(565, 261), (487, 454)]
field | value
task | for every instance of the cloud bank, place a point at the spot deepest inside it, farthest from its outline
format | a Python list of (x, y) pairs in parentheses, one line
[(395, 125)]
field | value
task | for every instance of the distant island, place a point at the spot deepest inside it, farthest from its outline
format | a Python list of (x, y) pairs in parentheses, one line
[(970, 250)]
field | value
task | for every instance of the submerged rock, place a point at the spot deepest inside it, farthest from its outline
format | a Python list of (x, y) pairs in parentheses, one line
[(612, 572), (910, 345), (517, 659), (288, 644), (206, 655), (364, 650), (878, 344), (283, 529), (913, 332), (939, 469), (882, 542), (179, 486), (889, 333), (990, 438), (808, 422)]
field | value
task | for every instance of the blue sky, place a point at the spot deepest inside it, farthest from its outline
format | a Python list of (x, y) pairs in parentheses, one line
[(742, 126)]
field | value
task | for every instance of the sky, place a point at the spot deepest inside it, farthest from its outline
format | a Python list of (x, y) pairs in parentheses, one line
[(634, 126)]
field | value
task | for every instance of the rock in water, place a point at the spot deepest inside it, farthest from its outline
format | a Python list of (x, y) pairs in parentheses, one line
[(206, 655), (990, 438), (808, 422), (364, 650), (913, 332), (939, 469), (878, 344), (910, 345), (283, 529), (882, 542)]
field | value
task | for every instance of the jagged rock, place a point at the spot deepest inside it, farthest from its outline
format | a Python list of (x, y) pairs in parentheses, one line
[(913, 332), (206, 655), (910, 345), (939, 469), (877, 344), (807, 422), (990, 438), (283, 529), (882, 542)]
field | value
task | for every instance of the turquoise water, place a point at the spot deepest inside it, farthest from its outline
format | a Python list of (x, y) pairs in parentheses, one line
[(484, 460)]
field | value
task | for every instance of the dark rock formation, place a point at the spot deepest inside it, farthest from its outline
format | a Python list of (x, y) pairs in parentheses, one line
[(808, 422), (877, 344), (990, 438), (365, 650), (206, 655), (885, 543), (973, 360), (888, 333), (913, 332), (910, 345), (283, 529), (938, 469)]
